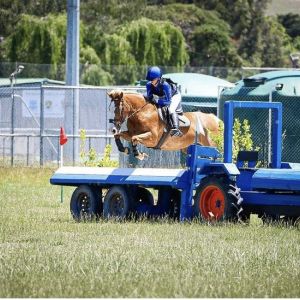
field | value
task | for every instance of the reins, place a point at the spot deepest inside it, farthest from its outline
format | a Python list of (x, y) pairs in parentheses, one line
[(135, 112)]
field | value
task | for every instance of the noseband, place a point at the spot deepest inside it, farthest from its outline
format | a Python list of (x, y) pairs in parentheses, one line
[(122, 118)]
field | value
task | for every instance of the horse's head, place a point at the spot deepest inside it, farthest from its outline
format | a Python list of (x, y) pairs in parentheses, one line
[(120, 109)]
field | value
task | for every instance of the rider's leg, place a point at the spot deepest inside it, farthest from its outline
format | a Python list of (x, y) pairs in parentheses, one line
[(175, 131)]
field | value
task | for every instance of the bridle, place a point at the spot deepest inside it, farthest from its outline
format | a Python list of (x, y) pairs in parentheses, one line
[(122, 114)]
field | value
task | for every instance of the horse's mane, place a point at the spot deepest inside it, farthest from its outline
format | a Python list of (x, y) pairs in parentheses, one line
[(118, 94), (131, 92)]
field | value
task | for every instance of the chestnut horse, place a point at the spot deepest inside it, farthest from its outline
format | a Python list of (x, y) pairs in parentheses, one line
[(144, 125)]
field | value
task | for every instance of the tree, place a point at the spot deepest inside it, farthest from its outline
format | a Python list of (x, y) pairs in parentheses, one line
[(107, 15), (214, 48), (95, 75), (156, 43), (276, 44), (291, 22), (92, 72), (11, 11), (237, 13), (38, 40), (250, 44), (116, 57), (188, 18)]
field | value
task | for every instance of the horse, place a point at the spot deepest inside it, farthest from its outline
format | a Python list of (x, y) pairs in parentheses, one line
[(145, 126)]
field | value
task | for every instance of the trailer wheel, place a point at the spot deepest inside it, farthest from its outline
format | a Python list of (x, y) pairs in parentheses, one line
[(116, 203), (86, 203), (217, 199), (174, 210), (144, 196)]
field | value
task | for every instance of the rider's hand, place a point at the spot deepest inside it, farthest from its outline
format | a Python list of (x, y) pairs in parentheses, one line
[(151, 100)]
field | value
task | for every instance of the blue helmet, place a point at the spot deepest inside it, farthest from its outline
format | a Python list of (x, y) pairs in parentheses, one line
[(153, 73)]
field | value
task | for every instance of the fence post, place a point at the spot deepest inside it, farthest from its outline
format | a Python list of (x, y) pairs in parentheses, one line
[(12, 131), (27, 149), (75, 123), (42, 127)]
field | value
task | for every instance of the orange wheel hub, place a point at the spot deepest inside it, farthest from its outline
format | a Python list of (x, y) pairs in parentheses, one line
[(212, 203)]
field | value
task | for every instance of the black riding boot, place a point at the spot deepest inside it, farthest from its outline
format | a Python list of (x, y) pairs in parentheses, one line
[(175, 131)]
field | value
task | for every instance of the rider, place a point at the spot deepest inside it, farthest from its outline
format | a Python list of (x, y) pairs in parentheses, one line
[(168, 95)]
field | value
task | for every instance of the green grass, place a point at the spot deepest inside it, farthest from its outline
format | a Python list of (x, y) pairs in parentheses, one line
[(44, 253)]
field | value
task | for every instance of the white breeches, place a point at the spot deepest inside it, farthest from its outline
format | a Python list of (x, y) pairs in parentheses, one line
[(174, 103)]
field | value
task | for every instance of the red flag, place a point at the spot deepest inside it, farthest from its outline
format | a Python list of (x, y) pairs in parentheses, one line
[(62, 137)]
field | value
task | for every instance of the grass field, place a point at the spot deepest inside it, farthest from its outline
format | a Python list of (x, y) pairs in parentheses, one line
[(281, 7), (44, 253)]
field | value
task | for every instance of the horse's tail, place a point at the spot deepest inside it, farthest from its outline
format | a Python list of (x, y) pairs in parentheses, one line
[(209, 122), (205, 125), (199, 125)]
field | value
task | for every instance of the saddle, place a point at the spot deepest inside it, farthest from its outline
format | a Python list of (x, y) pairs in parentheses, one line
[(164, 115)]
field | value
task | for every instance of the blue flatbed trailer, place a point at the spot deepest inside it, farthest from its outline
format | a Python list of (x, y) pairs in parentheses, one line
[(206, 187), (177, 182)]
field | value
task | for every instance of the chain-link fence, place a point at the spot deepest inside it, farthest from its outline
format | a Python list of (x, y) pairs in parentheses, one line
[(31, 118), (260, 122)]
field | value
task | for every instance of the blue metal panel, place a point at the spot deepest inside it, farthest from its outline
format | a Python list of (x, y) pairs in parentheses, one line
[(260, 198), (186, 206), (288, 165), (276, 179), (228, 131), (77, 176), (244, 179), (229, 169)]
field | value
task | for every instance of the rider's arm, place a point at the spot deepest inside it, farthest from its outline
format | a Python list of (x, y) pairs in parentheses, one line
[(149, 91), (166, 100)]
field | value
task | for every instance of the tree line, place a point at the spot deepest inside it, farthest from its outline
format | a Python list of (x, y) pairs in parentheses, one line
[(119, 38)]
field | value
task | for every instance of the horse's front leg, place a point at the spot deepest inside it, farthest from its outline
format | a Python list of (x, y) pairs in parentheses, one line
[(125, 135)]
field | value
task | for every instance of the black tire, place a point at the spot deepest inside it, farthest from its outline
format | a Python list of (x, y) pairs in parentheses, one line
[(217, 199), (144, 196), (86, 203), (116, 203), (244, 219), (174, 211)]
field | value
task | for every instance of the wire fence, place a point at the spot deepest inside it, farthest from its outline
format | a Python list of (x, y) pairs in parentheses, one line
[(260, 122), (31, 118)]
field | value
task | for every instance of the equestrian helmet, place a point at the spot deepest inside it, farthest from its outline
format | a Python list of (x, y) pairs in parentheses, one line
[(153, 73)]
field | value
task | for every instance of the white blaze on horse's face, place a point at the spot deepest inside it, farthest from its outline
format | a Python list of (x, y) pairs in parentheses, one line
[(119, 113)]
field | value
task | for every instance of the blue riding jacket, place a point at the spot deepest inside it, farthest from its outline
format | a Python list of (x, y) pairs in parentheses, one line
[(163, 90)]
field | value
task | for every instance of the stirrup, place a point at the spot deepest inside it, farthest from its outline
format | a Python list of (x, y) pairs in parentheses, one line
[(176, 132)]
